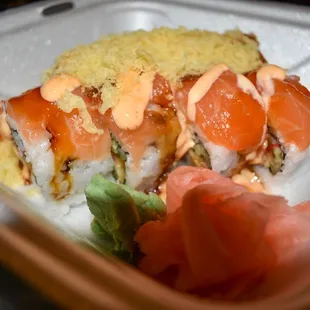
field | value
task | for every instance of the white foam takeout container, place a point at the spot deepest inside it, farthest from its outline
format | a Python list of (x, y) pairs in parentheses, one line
[(31, 37), (30, 41)]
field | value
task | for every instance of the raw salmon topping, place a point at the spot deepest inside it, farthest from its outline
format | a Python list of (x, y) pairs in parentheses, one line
[(289, 113), (288, 110), (38, 119), (227, 114)]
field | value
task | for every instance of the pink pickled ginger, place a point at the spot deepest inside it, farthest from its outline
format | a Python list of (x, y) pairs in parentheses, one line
[(221, 241)]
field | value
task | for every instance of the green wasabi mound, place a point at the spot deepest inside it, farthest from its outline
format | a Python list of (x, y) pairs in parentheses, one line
[(119, 211), (150, 206)]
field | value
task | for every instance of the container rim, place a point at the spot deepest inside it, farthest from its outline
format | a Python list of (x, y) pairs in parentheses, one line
[(97, 281)]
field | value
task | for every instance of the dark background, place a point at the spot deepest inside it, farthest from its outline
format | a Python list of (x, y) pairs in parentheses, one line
[(15, 294), (9, 4)]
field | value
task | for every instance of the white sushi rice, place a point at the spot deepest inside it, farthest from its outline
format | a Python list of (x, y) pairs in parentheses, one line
[(293, 158), (82, 171), (49, 209), (73, 221), (148, 171), (77, 221), (81, 174), (222, 159), (293, 182)]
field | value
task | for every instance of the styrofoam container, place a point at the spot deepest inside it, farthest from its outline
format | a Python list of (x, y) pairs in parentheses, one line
[(32, 37), (30, 41)]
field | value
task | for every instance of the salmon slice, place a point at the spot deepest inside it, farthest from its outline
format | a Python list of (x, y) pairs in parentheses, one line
[(288, 110), (227, 115), (221, 241), (36, 119)]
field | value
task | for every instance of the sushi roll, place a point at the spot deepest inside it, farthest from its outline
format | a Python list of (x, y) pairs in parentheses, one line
[(144, 142), (224, 116), (110, 107), (66, 140), (62, 150), (288, 103), (253, 128)]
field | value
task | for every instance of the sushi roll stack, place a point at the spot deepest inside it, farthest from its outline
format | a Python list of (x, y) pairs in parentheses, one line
[(124, 108), (61, 153), (66, 140), (253, 128), (226, 116), (287, 104)]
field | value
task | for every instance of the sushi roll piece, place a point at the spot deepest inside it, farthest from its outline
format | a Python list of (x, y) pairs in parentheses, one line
[(223, 118), (288, 106), (144, 129), (65, 139), (109, 107), (141, 156), (63, 149)]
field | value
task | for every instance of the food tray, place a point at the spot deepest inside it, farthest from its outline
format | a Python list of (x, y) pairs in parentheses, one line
[(32, 37)]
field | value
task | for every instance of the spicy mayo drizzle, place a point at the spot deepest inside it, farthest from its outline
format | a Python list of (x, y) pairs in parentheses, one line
[(128, 112), (248, 87), (265, 76), (54, 89)]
